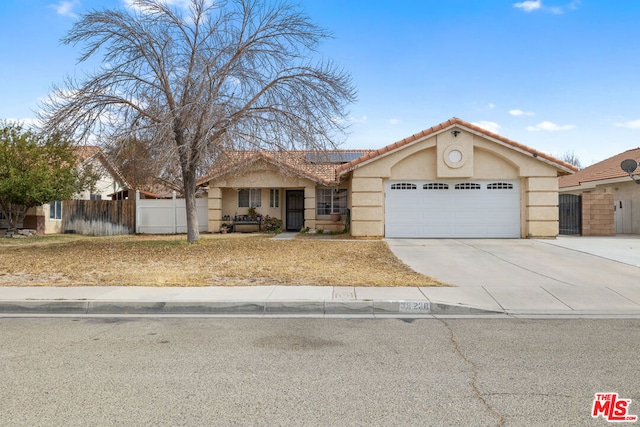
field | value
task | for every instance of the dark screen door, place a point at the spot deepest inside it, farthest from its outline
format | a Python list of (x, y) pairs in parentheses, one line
[(295, 210)]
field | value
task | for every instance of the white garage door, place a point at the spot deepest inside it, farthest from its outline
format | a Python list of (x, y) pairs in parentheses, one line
[(452, 209)]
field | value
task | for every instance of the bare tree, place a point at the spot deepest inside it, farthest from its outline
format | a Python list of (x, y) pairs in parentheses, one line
[(141, 162), (224, 75), (571, 158)]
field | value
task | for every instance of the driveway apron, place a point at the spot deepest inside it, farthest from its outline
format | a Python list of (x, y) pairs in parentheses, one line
[(566, 275)]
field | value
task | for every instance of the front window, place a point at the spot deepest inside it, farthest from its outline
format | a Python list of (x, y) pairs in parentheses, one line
[(95, 197), (250, 198), (55, 210), (274, 198), (331, 200)]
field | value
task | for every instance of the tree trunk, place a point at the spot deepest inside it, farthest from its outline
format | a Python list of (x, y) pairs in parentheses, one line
[(13, 214), (193, 232)]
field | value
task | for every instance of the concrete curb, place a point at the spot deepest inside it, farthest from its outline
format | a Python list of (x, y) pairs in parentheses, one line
[(242, 307)]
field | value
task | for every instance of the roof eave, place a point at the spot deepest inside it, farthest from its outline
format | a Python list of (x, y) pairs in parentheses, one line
[(589, 185), (562, 167), (261, 156)]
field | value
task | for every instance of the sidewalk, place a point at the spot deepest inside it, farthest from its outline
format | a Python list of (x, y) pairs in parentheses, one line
[(312, 301), (562, 277), (219, 300)]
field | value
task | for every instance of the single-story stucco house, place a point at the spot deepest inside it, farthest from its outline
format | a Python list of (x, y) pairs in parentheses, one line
[(608, 199), (47, 219), (454, 179)]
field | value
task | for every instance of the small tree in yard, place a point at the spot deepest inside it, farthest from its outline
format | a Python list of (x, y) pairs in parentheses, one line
[(35, 170), (222, 76)]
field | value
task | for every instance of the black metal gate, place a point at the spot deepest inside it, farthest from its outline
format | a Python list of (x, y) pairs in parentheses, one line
[(570, 207)]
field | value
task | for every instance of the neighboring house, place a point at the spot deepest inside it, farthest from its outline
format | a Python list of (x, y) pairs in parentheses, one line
[(452, 180), (47, 219), (609, 200)]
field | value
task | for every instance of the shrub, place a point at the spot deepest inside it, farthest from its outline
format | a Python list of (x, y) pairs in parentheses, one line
[(272, 225)]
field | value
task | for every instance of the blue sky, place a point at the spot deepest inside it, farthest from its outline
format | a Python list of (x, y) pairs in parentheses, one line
[(556, 75)]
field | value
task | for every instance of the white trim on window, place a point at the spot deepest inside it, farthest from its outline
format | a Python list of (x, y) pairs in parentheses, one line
[(331, 200), (55, 210), (250, 198), (274, 198)]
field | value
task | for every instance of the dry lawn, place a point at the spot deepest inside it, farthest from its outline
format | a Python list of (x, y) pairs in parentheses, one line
[(221, 260)]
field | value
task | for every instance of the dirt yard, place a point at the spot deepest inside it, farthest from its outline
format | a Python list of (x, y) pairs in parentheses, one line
[(221, 260)]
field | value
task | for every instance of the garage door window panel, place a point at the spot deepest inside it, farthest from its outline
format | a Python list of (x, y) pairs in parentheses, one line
[(404, 186), (500, 186), (435, 186), (468, 186)]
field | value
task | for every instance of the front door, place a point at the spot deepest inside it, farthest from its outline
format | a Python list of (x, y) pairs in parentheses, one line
[(295, 210)]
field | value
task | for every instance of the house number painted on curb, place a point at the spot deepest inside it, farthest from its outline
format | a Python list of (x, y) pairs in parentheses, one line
[(412, 306)]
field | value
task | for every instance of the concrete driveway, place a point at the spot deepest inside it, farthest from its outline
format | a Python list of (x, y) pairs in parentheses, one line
[(568, 275)]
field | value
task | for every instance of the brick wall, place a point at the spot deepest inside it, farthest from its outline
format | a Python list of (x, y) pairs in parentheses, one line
[(597, 214)]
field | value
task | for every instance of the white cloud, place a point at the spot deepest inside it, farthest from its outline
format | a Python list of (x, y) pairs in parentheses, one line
[(65, 8), (631, 124), (28, 122), (549, 126), (574, 4), (521, 113), (350, 120), (394, 121), (529, 5), (533, 5), (357, 120), (182, 4), (487, 125)]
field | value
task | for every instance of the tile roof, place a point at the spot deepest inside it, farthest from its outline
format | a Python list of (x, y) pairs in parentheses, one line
[(563, 166), (606, 169), (87, 152), (294, 161)]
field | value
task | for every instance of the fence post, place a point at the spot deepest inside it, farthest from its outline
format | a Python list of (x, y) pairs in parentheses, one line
[(137, 209), (175, 214)]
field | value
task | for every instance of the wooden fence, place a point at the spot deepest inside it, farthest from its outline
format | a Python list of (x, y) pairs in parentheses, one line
[(99, 217)]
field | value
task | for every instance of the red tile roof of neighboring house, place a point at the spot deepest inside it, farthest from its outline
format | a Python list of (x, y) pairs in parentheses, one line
[(564, 166), (606, 169), (294, 161), (87, 152)]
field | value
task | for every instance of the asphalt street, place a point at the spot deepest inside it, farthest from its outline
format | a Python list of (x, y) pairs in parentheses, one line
[(94, 371)]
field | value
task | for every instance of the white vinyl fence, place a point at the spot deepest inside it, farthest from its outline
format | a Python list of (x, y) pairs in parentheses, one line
[(167, 216)]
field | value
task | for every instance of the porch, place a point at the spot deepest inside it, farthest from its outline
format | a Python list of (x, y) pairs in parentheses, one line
[(298, 207)]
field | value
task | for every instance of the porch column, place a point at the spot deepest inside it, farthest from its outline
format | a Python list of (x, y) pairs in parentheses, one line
[(310, 206), (367, 208), (541, 207), (215, 209)]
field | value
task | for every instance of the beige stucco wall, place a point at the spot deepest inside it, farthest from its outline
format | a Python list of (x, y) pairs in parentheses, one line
[(105, 185), (626, 197), (540, 214), (482, 158)]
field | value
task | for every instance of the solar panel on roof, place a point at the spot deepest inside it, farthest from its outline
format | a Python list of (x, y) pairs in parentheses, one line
[(332, 157)]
